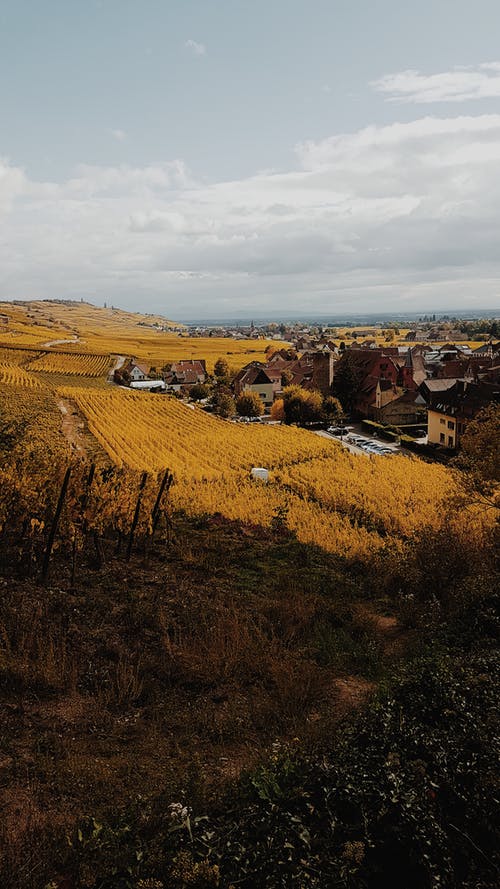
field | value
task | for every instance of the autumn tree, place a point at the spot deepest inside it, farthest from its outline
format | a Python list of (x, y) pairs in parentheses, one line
[(249, 405), (302, 406), (224, 405), (479, 456), (221, 369), (332, 410), (199, 391), (277, 410)]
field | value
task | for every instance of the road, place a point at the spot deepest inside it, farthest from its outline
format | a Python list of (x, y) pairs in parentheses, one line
[(120, 361), (352, 448), (59, 342)]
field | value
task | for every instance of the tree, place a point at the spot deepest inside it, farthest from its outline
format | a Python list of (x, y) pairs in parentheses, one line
[(302, 405), (224, 405), (199, 391), (221, 369), (332, 410), (277, 410), (347, 380), (479, 456), (249, 405)]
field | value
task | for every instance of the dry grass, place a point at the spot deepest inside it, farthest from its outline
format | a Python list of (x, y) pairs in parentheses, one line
[(165, 680)]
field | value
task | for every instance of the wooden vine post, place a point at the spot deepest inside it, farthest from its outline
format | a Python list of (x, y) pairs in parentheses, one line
[(166, 484), (81, 519), (142, 485), (55, 523)]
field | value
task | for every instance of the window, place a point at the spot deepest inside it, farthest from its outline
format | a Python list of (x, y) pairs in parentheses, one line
[(451, 424), (262, 395), (441, 437), (450, 441), (443, 422)]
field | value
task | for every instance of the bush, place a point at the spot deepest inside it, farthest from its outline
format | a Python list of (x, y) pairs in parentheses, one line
[(404, 798), (302, 405), (249, 405)]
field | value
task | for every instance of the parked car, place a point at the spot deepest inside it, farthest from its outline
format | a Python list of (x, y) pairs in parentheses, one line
[(337, 430)]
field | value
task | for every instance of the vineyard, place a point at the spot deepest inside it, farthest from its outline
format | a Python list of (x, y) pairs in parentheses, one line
[(62, 363), (113, 331), (326, 496), (151, 432), (15, 375), (71, 363), (30, 430), (160, 608), (17, 356)]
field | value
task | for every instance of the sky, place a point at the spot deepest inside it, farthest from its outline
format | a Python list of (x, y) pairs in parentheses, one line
[(225, 158)]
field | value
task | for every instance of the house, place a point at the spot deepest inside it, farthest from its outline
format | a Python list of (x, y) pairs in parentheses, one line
[(256, 377), (184, 374), (489, 349), (397, 407), (282, 355), (371, 367), (194, 369), (386, 383), (136, 370), (453, 406), (412, 372)]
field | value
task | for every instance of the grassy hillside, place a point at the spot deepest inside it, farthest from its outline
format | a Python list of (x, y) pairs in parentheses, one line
[(214, 676), (88, 328), (225, 683)]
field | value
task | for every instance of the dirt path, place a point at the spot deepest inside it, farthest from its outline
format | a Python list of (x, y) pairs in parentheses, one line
[(76, 431), (392, 634), (75, 339), (352, 691), (73, 426), (120, 361)]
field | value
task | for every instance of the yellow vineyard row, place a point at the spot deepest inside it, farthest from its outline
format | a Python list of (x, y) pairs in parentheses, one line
[(78, 364), (15, 375), (17, 356), (331, 498), (150, 432)]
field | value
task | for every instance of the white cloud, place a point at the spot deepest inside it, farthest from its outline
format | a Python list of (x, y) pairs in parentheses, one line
[(119, 135), (458, 85), (405, 212), (12, 184), (198, 49)]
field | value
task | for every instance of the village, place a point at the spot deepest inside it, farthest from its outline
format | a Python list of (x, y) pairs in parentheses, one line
[(419, 395)]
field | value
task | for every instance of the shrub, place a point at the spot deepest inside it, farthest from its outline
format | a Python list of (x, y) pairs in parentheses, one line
[(249, 405)]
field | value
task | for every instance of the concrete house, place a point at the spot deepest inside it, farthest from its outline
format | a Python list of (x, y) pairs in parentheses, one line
[(450, 409), (255, 377), (136, 370)]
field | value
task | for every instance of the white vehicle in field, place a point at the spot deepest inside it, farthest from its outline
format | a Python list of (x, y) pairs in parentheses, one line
[(260, 474)]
